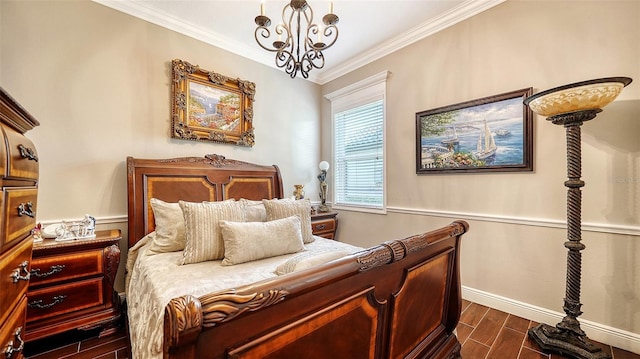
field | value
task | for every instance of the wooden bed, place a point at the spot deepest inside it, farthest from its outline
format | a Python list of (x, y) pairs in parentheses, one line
[(400, 299)]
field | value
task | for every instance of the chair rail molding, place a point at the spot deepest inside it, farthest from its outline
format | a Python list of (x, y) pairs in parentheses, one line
[(535, 222)]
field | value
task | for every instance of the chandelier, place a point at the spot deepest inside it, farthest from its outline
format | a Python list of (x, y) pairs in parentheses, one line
[(300, 42)]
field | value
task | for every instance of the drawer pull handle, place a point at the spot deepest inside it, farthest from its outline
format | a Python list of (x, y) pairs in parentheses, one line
[(16, 275), (52, 270), (38, 303), (28, 153), (10, 349), (26, 209), (321, 226)]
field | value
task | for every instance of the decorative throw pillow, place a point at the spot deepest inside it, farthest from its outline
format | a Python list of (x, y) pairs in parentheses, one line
[(169, 230), (254, 210), (249, 241), (308, 260), (283, 208), (202, 229)]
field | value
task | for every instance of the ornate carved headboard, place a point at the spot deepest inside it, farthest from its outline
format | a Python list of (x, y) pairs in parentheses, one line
[(194, 179)]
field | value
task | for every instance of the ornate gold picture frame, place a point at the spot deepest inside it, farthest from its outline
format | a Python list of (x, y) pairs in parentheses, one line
[(208, 106)]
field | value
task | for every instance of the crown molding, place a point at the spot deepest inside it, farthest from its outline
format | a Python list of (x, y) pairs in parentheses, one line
[(430, 27), (167, 21)]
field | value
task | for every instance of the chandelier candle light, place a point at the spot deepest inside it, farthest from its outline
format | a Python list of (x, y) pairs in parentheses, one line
[(300, 42), (572, 105)]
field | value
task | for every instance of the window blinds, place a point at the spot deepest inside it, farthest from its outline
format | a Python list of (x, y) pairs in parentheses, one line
[(359, 155)]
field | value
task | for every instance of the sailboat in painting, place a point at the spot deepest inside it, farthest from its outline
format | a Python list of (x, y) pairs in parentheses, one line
[(452, 137), (486, 145)]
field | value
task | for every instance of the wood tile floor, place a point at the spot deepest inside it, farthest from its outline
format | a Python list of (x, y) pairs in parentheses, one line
[(485, 333)]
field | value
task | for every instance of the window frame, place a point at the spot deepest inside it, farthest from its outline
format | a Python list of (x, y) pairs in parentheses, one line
[(355, 95)]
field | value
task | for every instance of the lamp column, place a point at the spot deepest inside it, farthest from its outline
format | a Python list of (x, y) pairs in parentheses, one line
[(567, 337)]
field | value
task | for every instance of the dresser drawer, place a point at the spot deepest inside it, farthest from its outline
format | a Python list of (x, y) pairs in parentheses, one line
[(23, 158), (19, 212), (14, 269), (12, 333), (65, 298), (58, 268)]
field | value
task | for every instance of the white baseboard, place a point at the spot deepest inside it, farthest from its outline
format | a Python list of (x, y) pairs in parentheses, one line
[(599, 332)]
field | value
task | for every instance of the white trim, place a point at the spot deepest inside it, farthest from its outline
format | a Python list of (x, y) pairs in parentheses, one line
[(432, 26), (149, 14), (372, 80), (535, 222), (99, 220), (599, 332)]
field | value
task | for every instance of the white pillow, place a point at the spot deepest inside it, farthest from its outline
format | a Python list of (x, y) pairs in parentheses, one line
[(308, 260), (202, 232), (283, 208), (170, 236), (254, 210), (249, 241)]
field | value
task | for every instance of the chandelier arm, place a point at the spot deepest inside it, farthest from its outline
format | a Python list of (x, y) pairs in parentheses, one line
[(264, 33), (312, 59), (328, 33)]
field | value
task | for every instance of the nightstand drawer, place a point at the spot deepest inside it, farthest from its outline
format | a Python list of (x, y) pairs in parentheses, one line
[(62, 299), (14, 276), (57, 268), (328, 225)]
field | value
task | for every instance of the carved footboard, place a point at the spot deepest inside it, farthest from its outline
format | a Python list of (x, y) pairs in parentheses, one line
[(400, 299)]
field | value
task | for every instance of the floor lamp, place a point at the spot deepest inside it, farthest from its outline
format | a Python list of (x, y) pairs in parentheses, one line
[(571, 105)]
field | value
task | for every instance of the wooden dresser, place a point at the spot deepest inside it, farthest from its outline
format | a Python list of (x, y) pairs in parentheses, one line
[(324, 224), (72, 286), (19, 171)]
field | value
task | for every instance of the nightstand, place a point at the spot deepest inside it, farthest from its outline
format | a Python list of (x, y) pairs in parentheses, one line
[(324, 224), (71, 286)]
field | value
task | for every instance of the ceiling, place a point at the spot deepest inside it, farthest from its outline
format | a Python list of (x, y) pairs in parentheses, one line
[(368, 30)]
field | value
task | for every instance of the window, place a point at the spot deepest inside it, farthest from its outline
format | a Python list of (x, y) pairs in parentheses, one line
[(358, 114)]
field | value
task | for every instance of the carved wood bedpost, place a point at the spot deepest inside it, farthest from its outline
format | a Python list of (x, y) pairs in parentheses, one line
[(182, 326)]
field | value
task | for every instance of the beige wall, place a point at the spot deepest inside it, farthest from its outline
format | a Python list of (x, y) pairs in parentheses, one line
[(514, 248), (99, 83)]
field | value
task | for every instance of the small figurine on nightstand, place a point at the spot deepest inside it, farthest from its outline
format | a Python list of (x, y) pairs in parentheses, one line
[(84, 229), (36, 232), (324, 166), (87, 226)]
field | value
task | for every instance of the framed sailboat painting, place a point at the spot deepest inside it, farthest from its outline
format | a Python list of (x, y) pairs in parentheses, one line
[(494, 133)]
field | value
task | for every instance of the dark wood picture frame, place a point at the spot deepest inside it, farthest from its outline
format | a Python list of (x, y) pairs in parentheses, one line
[(493, 133), (208, 106)]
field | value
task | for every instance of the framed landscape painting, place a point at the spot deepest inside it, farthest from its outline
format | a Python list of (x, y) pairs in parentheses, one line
[(489, 134), (208, 106)]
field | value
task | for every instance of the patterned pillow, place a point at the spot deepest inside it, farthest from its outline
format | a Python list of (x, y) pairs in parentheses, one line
[(249, 241), (169, 230), (254, 210), (283, 208), (202, 229)]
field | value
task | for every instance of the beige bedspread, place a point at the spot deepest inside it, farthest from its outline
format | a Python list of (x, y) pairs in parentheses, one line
[(154, 280)]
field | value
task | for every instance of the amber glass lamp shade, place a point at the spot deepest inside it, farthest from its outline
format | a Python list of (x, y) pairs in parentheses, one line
[(579, 96)]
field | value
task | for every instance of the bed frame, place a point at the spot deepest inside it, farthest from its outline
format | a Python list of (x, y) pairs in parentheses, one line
[(400, 299)]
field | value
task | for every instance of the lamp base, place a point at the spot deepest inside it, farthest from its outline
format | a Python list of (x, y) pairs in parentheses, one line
[(566, 343)]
